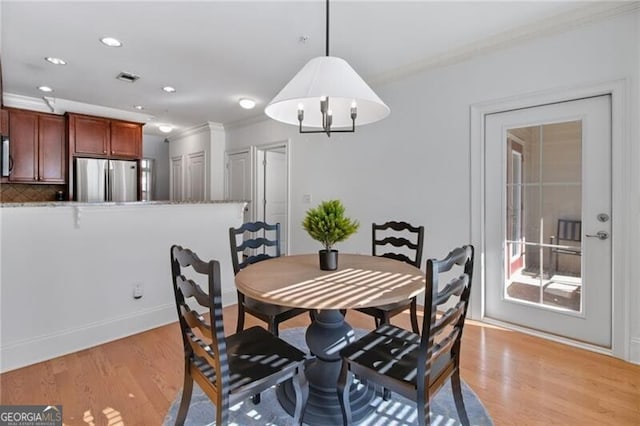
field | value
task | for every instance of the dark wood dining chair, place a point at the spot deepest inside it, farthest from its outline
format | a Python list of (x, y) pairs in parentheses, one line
[(569, 234), (227, 368), (417, 365), (403, 242), (263, 244)]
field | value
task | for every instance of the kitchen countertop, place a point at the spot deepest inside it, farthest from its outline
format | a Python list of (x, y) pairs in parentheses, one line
[(130, 203)]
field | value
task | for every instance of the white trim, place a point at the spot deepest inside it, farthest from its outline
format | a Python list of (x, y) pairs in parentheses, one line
[(621, 176), (25, 102), (61, 106), (200, 128), (213, 125), (42, 348), (634, 350), (243, 122), (547, 336)]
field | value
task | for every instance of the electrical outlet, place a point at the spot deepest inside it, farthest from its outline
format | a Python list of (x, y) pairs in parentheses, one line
[(138, 290)]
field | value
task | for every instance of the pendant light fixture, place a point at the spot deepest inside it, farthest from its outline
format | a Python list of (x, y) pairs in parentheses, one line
[(327, 96)]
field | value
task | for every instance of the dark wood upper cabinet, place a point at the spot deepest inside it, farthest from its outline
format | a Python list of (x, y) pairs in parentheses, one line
[(51, 148), (101, 137), (126, 139), (4, 122), (23, 150), (89, 135), (38, 148)]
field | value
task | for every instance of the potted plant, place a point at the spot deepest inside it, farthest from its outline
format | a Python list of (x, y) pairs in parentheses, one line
[(327, 224)]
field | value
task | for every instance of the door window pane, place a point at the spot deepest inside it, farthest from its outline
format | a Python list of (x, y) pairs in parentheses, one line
[(543, 196)]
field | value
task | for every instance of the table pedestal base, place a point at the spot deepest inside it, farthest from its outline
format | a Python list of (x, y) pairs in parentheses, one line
[(328, 334)]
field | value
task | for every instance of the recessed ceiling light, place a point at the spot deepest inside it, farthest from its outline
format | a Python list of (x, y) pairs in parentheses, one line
[(55, 61), (247, 103), (169, 89), (138, 107), (45, 89), (111, 42), (165, 128)]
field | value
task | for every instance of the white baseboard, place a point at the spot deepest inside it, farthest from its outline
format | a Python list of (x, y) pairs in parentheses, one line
[(634, 350), (43, 348)]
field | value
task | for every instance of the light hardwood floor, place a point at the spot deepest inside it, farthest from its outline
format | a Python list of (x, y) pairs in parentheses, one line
[(522, 380)]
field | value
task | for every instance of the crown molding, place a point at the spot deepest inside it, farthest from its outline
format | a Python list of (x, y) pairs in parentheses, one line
[(61, 106), (254, 119), (215, 126), (208, 126), (563, 22), (26, 102)]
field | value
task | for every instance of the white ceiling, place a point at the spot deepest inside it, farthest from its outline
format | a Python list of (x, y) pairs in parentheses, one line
[(216, 52)]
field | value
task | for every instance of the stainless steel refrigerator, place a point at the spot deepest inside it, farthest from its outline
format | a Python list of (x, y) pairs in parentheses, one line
[(98, 180)]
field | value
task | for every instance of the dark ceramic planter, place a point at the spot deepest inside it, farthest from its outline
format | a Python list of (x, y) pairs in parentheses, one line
[(328, 260)]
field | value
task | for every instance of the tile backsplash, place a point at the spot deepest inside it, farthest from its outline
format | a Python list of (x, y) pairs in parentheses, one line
[(22, 193)]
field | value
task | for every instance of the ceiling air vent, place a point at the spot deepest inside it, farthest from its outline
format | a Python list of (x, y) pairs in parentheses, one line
[(128, 77)]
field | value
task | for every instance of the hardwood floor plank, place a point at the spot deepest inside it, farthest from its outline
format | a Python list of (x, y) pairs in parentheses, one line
[(521, 379)]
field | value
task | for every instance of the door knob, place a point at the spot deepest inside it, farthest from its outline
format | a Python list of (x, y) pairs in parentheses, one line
[(601, 235)]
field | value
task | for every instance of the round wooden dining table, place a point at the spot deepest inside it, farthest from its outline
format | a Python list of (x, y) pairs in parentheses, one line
[(359, 281)]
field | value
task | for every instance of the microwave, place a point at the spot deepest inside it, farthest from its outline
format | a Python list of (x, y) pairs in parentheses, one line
[(5, 158)]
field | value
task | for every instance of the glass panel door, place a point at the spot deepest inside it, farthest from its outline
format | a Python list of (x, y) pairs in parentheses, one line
[(547, 219)]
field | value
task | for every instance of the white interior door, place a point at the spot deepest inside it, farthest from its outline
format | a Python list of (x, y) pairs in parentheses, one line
[(196, 176), (548, 219), (176, 179), (239, 180), (272, 189)]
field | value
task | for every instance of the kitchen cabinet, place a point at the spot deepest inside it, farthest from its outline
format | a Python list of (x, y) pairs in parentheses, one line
[(126, 139), (37, 147), (4, 121), (104, 138), (89, 135)]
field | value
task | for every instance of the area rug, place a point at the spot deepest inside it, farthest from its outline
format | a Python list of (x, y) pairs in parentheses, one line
[(396, 412)]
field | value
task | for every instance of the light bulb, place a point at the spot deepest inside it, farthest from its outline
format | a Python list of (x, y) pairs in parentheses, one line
[(111, 42), (247, 103)]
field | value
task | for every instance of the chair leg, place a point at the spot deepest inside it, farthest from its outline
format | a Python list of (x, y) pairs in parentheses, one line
[(187, 389), (386, 394), (413, 313), (312, 314), (240, 325), (456, 387), (301, 388), (344, 384), (424, 416), (273, 326), (255, 399)]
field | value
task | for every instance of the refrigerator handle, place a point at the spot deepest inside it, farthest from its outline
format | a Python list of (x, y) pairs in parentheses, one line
[(107, 184)]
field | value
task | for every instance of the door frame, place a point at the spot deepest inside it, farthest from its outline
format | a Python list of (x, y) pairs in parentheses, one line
[(621, 247)]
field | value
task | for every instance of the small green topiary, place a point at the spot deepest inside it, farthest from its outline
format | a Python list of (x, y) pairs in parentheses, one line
[(327, 223)]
